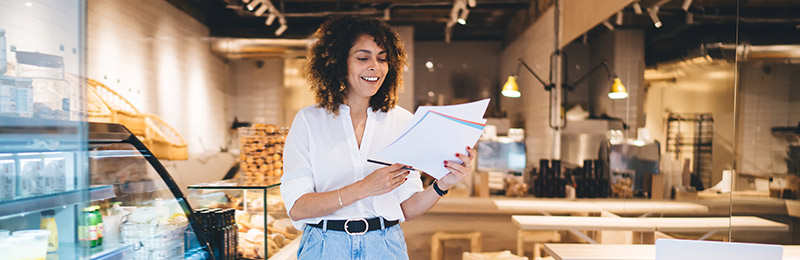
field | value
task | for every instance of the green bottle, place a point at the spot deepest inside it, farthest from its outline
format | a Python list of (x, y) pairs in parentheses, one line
[(87, 232), (98, 221)]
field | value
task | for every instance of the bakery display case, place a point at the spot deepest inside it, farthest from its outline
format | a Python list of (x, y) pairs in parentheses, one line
[(149, 213), (263, 227)]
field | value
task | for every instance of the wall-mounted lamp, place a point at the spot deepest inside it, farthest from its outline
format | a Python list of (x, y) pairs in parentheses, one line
[(617, 91)]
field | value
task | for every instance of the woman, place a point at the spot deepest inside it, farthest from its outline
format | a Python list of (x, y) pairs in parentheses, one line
[(349, 208)]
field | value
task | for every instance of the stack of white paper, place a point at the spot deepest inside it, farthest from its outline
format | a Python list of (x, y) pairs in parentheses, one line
[(436, 134)]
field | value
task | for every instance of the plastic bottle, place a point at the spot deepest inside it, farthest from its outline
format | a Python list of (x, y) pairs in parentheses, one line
[(49, 223), (97, 218)]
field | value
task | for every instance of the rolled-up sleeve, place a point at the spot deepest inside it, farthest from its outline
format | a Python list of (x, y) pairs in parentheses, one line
[(407, 189), (298, 178)]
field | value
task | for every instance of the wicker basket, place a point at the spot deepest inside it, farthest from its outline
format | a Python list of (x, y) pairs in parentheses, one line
[(163, 140), (122, 111)]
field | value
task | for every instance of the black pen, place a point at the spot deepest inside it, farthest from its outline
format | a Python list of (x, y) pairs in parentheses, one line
[(389, 164)]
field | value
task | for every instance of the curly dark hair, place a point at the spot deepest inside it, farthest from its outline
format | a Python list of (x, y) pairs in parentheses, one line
[(327, 66)]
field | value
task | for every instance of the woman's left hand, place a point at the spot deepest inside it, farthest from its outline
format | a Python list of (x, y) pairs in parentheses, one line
[(458, 172)]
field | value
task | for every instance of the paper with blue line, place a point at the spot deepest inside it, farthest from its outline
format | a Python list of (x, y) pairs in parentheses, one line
[(436, 134)]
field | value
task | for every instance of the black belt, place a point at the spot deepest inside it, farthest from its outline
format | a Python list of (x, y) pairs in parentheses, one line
[(356, 226)]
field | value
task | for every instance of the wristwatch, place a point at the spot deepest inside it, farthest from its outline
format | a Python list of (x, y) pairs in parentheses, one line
[(438, 190)]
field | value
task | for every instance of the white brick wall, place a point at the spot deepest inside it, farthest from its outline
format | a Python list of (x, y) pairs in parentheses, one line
[(159, 58), (534, 46)]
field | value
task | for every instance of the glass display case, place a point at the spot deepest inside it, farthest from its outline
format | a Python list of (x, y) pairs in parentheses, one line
[(44, 182), (263, 227), (149, 212)]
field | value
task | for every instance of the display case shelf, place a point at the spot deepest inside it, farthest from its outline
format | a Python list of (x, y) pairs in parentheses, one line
[(43, 202), (106, 252), (254, 203), (20, 134)]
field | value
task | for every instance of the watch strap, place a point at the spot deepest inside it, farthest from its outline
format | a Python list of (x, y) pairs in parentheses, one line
[(438, 190)]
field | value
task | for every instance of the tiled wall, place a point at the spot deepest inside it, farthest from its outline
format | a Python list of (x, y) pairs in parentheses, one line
[(159, 58), (534, 46), (257, 91), (769, 97)]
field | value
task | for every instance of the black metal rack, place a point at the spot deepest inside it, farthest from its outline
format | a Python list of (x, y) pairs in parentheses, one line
[(690, 133)]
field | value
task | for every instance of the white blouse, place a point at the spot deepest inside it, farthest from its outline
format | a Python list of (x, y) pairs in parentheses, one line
[(321, 154)]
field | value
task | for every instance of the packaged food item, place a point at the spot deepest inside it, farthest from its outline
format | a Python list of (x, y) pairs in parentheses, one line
[(8, 179), (49, 223), (22, 247), (36, 249), (39, 65), (55, 175), (51, 98), (30, 180), (16, 97), (3, 62)]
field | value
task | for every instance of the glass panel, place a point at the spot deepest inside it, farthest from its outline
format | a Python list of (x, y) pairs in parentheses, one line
[(145, 214), (767, 178), (668, 159), (43, 180), (281, 240)]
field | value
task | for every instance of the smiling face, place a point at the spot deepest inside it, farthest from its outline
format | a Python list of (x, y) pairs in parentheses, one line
[(366, 68)]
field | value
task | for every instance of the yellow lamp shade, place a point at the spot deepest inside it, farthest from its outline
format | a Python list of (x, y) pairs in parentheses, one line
[(618, 90), (510, 89)]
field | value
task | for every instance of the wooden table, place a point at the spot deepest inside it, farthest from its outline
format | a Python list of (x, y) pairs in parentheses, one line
[(574, 223), (712, 225), (637, 207), (625, 252)]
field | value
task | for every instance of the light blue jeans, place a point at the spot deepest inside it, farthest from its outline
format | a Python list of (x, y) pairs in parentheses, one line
[(388, 244)]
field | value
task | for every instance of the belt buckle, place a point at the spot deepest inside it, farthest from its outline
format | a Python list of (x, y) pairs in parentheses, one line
[(356, 233)]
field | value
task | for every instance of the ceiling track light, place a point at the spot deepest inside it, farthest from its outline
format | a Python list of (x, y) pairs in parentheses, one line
[(619, 18), (462, 19), (282, 28), (689, 18), (653, 11), (262, 9), (387, 14), (447, 33), (637, 8), (686, 4), (608, 25), (252, 5), (270, 19)]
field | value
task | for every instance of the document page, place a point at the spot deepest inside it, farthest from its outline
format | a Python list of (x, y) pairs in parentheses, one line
[(436, 134)]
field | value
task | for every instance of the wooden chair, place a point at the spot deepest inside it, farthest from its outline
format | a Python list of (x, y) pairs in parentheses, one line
[(438, 238), (538, 238)]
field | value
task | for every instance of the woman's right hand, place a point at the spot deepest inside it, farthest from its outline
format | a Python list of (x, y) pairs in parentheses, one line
[(383, 180)]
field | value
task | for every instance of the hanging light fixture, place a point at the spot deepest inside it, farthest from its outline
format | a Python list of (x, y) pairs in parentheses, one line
[(511, 89), (618, 90)]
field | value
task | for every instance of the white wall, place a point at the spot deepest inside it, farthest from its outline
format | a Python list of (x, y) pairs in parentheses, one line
[(769, 98), (257, 91), (697, 89), (534, 46), (159, 58)]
